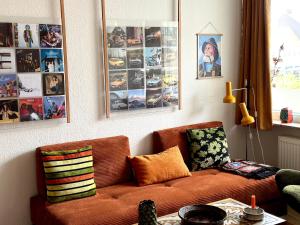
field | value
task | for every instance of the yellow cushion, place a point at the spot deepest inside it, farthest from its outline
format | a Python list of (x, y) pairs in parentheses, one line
[(156, 168)]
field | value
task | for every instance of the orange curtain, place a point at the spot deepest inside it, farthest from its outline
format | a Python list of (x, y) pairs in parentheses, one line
[(254, 61)]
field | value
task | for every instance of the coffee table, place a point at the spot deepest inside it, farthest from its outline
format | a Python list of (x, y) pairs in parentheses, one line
[(234, 210)]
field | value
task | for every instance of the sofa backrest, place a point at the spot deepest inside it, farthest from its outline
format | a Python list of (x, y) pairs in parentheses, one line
[(109, 156), (167, 138)]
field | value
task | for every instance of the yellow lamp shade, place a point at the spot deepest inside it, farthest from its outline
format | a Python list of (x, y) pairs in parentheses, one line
[(229, 98), (247, 119)]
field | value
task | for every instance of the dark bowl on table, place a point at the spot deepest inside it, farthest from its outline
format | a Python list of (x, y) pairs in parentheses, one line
[(201, 215)]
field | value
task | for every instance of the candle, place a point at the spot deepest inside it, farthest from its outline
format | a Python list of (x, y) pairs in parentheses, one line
[(253, 202)]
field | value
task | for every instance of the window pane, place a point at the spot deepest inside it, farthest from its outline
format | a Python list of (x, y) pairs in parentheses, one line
[(285, 61)]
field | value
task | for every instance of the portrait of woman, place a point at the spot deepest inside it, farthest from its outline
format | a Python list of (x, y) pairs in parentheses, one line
[(208, 56)]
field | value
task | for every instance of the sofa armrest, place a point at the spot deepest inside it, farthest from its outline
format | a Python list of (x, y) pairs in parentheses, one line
[(286, 177)]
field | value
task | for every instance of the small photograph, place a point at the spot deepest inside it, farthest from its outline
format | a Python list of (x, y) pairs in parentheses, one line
[(170, 57), (152, 37), (117, 58), (30, 85), (116, 37), (54, 107), (31, 109), (169, 36), (118, 100), (170, 96), (208, 56), (153, 57), (52, 60), (153, 78), (136, 79), (135, 58), (27, 35), (154, 98), (8, 85), (28, 60), (135, 36), (170, 77), (50, 36), (7, 60), (136, 99), (118, 80), (6, 35), (53, 84), (9, 112)]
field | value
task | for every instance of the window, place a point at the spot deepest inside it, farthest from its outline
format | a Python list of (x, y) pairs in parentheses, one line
[(285, 56)]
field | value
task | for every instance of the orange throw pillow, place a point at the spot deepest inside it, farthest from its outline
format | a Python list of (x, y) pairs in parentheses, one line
[(156, 168)]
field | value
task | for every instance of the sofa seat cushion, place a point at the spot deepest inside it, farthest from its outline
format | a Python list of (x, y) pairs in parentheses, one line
[(118, 204)]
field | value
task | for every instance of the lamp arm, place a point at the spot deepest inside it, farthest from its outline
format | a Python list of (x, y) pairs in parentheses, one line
[(242, 89), (239, 89)]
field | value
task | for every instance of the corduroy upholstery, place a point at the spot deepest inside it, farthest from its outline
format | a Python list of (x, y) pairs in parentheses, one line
[(167, 138), (110, 163), (118, 204)]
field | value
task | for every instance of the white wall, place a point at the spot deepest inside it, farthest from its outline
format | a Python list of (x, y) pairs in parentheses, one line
[(202, 100)]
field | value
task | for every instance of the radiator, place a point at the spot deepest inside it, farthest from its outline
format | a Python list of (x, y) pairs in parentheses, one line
[(289, 152)]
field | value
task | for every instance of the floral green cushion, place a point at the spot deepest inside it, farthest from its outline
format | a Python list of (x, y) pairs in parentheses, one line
[(208, 147)]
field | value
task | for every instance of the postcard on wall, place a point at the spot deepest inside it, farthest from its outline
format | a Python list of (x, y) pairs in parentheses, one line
[(136, 79), (6, 35), (118, 80), (135, 58), (52, 61), (54, 107), (53, 84), (135, 36), (28, 60), (136, 99), (154, 98), (170, 96), (118, 100), (30, 85), (116, 37), (153, 57), (208, 56), (8, 85), (31, 109), (7, 60), (26, 35), (170, 77), (169, 36), (153, 36), (9, 112), (50, 36), (154, 78), (117, 58)]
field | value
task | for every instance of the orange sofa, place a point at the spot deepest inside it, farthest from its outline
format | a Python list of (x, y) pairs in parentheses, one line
[(118, 196)]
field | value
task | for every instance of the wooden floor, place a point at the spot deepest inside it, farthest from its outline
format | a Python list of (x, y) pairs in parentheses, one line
[(292, 217)]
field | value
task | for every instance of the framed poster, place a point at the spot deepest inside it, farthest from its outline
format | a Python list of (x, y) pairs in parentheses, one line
[(142, 63), (209, 59)]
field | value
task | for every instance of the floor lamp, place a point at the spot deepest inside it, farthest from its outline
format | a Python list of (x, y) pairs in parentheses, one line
[(229, 98)]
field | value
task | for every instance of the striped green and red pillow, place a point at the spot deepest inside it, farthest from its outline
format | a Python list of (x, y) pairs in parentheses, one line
[(69, 174)]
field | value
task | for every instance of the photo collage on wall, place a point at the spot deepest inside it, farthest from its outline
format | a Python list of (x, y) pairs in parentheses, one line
[(32, 83), (143, 67)]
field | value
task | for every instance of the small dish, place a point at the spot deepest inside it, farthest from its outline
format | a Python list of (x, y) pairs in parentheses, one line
[(255, 214), (201, 215)]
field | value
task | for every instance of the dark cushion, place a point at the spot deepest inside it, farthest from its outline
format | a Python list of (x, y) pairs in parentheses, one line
[(207, 147), (167, 138)]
